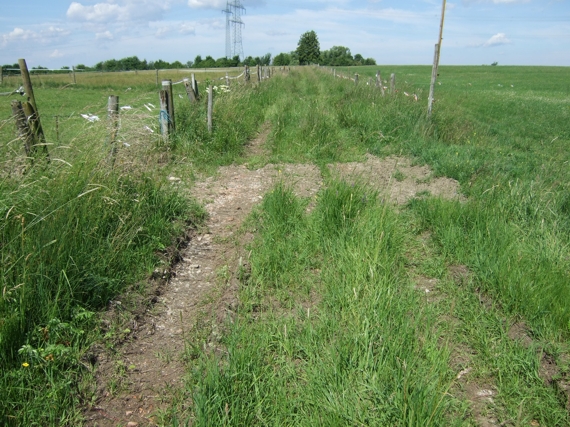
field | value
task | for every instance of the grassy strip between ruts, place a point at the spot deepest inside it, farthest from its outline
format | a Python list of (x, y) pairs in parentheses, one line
[(362, 354)]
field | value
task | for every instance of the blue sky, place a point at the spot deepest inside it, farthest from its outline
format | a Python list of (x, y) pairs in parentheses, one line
[(56, 33)]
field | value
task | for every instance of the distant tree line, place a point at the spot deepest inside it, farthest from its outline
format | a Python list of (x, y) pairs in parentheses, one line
[(307, 52)]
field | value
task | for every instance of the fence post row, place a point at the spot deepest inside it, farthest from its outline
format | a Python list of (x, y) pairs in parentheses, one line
[(31, 109)]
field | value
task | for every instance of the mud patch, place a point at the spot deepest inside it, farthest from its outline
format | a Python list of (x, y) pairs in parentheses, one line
[(396, 178)]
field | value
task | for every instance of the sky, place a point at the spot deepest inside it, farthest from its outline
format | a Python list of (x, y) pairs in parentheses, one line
[(56, 33)]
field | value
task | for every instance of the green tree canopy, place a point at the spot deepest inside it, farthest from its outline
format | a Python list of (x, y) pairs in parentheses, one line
[(308, 49), (282, 59)]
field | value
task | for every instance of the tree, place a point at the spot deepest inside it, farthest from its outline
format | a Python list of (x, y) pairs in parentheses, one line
[(282, 59), (265, 59), (308, 49), (337, 56)]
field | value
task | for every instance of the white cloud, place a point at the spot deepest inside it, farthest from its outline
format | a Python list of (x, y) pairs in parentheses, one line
[(207, 4), (56, 54), (118, 10), (497, 40), (45, 36), (105, 35), (187, 28), (182, 28), (495, 1), (221, 4)]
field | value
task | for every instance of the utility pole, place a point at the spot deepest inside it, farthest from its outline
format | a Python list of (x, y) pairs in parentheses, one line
[(436, 61)]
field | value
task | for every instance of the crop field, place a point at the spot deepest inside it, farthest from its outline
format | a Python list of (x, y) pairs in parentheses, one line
[(352, 310)]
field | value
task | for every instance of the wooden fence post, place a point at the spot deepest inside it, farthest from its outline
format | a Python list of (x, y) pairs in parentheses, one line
[(227, 80), (73, 75), (31, 109), (56, 128), (189, 90), (246, 75), (1, 75), (392, 83), (432, 82), (379, 82), (356, 79), (167, 85), (195, 86), (23, 129), (163, 119), (258, 74), (113, 118), (210, 107)]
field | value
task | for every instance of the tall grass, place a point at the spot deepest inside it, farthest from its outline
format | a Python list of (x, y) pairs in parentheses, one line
[(361, 353), (82, 229), (501, 132)]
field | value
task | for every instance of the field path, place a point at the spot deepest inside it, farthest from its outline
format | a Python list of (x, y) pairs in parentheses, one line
[(150, 366), (142, 377)]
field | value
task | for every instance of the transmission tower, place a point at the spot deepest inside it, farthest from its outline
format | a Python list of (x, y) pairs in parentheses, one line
[(234, 9)]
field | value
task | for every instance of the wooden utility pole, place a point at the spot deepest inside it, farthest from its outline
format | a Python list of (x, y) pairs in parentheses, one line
[(436, 61)]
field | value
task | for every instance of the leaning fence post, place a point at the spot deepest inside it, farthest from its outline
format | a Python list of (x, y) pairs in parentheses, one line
[(167, 85), (189, 90), (392, 83), (32, 112), (113, 118), (210, 107), (195, 85), (23, 128), (163, 119)]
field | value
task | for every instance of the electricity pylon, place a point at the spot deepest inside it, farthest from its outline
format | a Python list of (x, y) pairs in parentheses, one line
[(234, 46)]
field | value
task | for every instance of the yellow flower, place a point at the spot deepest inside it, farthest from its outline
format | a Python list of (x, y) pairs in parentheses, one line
[(25, 364)]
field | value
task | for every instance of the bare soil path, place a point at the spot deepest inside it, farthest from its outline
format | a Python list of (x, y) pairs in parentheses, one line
[(138, 379)]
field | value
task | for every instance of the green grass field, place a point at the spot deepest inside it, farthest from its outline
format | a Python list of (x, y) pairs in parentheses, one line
[(371, 351)]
